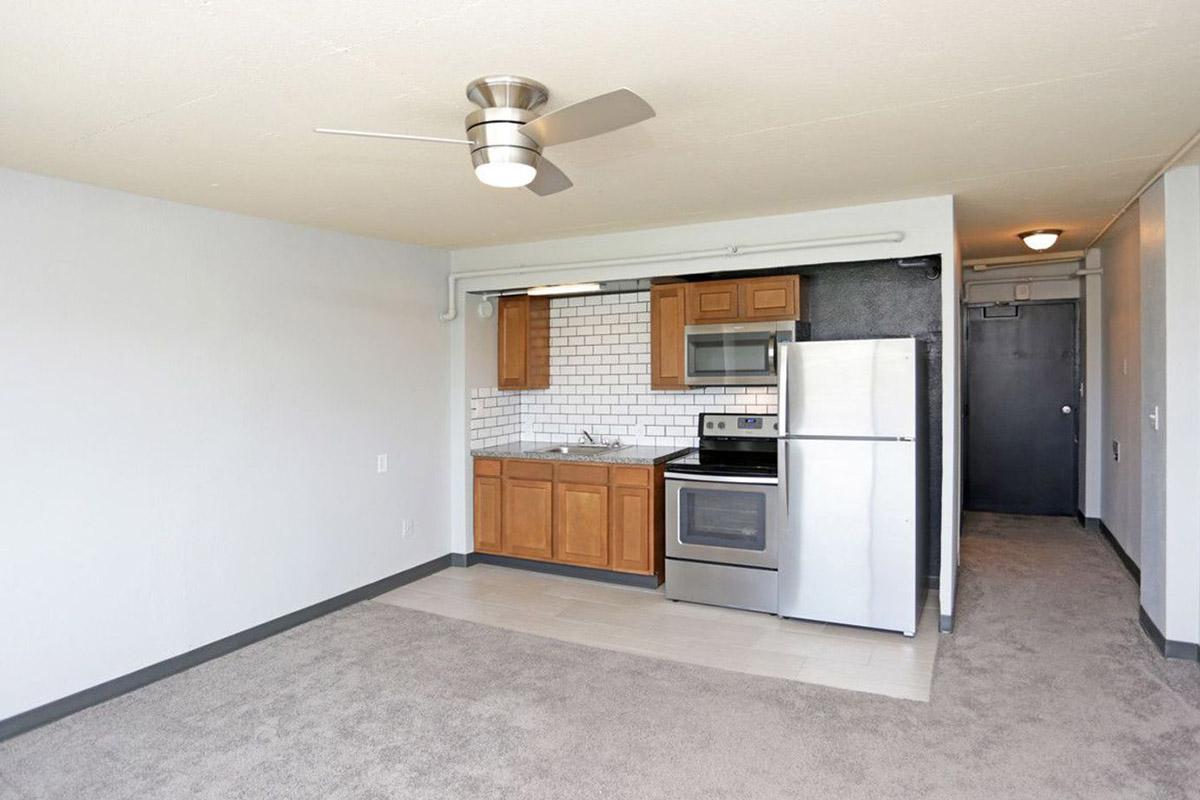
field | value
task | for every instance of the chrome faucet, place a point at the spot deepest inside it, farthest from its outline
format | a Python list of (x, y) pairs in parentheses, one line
[(614, 443)]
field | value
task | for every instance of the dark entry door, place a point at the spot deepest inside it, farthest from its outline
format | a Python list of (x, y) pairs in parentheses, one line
[(1021, 397)]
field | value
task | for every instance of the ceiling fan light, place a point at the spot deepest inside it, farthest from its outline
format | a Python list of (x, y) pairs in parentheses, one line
[(505, 167), (1042, 239)]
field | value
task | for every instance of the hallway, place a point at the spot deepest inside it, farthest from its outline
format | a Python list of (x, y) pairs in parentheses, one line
[(1048, 634)]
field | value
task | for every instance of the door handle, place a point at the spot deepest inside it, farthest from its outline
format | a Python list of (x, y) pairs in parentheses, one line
[(1066, 409), (783, 478)]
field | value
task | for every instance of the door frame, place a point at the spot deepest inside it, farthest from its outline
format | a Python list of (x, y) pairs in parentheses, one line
[(965, 390)]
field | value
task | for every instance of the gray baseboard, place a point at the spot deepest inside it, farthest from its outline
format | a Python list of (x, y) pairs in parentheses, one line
[(946, 623), (1091, 524), (1129, 563), (57, 709), (1169, 648), (567, 570)]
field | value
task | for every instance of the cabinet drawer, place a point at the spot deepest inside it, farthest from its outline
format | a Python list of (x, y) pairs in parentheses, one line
[(529, 470), (631, 476), (487, 466), (581, 473)]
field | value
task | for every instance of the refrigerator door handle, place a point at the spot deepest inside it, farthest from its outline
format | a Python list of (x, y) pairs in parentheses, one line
[(783, 479), (782, 396)]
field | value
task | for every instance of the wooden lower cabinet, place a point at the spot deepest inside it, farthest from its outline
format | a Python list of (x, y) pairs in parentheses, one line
[(581, 524), (528, 518), (583, 514), (488, 511), (631, 529)]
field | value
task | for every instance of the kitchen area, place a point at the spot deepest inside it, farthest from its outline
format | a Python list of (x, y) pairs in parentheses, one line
[(740, 470)]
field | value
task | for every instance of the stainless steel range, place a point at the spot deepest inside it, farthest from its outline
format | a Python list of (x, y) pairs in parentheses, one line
[(722, 546)]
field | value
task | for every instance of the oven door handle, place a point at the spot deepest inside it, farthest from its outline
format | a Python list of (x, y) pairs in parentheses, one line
[(752, 481)]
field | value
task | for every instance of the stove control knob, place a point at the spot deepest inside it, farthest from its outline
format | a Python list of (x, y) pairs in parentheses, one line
[(708, 424), (721, 425)]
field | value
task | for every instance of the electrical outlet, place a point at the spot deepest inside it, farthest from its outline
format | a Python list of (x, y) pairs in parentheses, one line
[(381, 463), (1116, 447), (406, 528)]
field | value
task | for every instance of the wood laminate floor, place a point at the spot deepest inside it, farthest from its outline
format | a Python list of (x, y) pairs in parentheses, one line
[(643, 621)]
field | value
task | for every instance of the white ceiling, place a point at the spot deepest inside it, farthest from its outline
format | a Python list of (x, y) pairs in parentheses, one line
[(1035, 113)]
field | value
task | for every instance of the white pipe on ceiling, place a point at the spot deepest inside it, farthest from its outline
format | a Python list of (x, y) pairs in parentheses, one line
[(1170, 162), (729, 251)]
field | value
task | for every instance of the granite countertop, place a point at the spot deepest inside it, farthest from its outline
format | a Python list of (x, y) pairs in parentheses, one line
[(635, 454)]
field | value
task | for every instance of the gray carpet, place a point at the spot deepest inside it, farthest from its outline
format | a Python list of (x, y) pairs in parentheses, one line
[(1047, 690)]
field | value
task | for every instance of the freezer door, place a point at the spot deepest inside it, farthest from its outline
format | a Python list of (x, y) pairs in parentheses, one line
[(849, 548), (849, 388)]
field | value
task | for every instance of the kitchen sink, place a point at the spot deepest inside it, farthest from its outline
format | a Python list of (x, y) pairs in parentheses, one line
[(583, 449)]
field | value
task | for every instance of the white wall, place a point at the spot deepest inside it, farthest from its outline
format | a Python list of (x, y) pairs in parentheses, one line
[(1153, 294), (1092, 451), (191, 408), (926, 223), (1121, 412), (1180, 407), (1151, 263)]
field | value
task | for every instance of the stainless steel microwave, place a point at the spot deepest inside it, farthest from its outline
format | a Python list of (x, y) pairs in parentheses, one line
[(735, 354)]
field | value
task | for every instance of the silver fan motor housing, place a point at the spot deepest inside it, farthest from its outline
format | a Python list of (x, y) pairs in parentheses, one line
[(506, 102)]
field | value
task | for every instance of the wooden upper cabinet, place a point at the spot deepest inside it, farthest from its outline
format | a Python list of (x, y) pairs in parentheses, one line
[(523, 342), (668, 310), (776, 297), (712, 301)]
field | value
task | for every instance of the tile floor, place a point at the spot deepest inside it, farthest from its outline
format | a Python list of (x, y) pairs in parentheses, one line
[(643, 621)]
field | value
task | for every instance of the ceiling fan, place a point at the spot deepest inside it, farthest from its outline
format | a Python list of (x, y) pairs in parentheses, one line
[(507, 136)]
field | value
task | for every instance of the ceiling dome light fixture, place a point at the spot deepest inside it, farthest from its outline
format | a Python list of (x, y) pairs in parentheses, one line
[(1041, 239)]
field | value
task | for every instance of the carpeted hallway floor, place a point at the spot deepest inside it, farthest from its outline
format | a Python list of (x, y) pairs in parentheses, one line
[(1048, 689)]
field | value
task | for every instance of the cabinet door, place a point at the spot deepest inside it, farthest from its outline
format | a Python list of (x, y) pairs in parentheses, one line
[(488, 510), (770, 298), (581, 530), (528, 518), (712, 301), (631, 529), (667, 313), (537, 354), (512, 338)]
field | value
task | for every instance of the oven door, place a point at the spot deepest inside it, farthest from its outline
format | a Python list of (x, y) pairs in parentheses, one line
[(734, 354), (722, 520)]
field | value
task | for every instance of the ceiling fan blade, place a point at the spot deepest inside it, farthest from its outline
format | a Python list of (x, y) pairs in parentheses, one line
[(375, 135), (592, 117), (549, 179)]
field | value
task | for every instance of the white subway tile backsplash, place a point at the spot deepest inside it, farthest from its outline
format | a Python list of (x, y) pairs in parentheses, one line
[(600, 380)]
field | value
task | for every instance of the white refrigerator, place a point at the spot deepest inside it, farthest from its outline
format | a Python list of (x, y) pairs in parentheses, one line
[(852, 482)]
